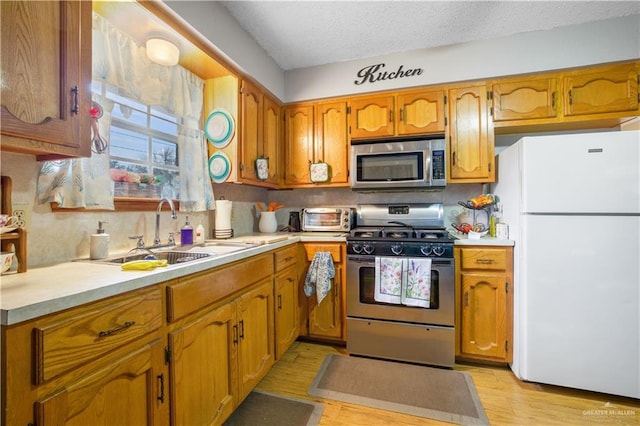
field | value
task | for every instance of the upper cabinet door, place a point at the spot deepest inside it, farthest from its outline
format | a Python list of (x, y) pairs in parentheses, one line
[(299, 144), (331, 144), (272, 144), (372, 117), (524, 99), (46, 73), (251, 134), (610, 89), (421, 112), (470, 139)]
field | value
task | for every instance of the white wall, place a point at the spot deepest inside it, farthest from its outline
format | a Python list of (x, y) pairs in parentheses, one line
[(566, 47), (572, 46), (215, 23)]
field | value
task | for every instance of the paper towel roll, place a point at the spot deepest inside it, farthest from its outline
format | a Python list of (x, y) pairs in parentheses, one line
[(223, 214)]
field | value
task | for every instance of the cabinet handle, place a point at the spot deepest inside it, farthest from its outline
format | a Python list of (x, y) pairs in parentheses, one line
[(75, 109), (161, 381), (402, 115), (390, 116), (553, 100), (287, 259), (453, 158), (485, 261), (466, 298), (242, 329), (570, 97), (116, 329), (235, 334), (279, 302)]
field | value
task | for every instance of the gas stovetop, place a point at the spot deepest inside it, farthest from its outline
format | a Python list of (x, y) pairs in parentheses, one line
[(400, 233), (400, 230)]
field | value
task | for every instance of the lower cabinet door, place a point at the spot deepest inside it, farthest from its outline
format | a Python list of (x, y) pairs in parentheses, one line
[(129, 391), (484, 315), (326, 318), (255, 334), (286, 309), (202, 369)]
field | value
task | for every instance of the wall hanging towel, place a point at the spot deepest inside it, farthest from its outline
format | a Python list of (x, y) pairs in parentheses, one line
[(319, 276)]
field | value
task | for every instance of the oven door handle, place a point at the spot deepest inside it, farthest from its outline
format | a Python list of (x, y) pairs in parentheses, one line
[(362, 260)]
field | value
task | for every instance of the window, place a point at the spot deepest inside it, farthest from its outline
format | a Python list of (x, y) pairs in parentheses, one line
[(143, 147)]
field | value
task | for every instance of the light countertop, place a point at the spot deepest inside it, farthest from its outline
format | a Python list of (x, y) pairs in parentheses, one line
[(48, 289), (462, 240)]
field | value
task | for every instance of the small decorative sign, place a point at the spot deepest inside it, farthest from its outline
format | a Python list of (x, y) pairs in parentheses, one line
[(375, 73)]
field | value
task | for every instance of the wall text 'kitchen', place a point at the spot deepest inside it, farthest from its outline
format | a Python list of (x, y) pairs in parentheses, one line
[(374, 73)]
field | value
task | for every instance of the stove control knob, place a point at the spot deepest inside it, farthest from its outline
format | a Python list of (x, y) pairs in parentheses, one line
[(438, 250), (396, 249), (357, 248), (426, 250), (368, 248)]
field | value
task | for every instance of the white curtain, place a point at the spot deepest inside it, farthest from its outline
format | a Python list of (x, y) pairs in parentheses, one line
[(120, 61)]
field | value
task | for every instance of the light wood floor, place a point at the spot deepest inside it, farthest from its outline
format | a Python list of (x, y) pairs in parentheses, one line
[(506, 400)]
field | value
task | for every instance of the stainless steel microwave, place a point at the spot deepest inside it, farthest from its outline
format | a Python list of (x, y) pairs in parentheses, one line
[(398, 164)]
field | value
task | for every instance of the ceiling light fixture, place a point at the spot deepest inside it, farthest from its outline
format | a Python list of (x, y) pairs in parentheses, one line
[(162, 51)]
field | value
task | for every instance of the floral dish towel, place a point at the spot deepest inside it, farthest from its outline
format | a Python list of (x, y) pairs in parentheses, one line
[(388, 280), (417, 289)]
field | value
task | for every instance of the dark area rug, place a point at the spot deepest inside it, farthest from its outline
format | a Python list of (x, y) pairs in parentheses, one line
[(428, 392), (266, 409)]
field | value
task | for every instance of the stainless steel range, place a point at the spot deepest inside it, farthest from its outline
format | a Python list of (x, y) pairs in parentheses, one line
[(400, 284)]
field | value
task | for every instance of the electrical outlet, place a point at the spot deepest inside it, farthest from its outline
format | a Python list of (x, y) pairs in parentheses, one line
[(23, 213)]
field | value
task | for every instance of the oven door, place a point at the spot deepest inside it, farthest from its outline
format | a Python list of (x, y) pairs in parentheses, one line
[(361, 290)]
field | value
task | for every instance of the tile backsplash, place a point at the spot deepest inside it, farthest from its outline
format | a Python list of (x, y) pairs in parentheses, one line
[(60, 237)]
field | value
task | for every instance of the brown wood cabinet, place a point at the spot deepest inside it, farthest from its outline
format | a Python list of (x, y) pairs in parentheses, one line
[(260, 135), (371, 117), (224, 324), (470, 137), (46, 78), (287, 326), (101, 363), (327, 320), (524, 98), (316, 133), (600, 96), (608, 89), (484, 307), (401, 114)]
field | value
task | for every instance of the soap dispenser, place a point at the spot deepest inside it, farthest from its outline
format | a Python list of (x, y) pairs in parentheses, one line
[(99, 247), (186, 234)]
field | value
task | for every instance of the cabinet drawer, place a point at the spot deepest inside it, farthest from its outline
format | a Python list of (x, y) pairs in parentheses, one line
[(285, 257), (67, 341), (483, 258), (196, 292), (334, 249)]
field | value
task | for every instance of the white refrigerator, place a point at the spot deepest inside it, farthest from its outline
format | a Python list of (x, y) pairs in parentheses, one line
[(572, 203)]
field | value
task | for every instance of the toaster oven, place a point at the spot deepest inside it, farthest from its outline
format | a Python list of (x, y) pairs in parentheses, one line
[(340, 219)]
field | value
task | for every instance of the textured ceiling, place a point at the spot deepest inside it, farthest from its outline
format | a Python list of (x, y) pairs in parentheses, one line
[(298, 34)]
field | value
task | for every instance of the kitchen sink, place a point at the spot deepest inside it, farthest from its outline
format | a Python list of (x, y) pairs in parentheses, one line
[(172, 257), (180, 254)]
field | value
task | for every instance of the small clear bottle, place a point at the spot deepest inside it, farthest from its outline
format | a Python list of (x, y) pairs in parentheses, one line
[(199, 235)]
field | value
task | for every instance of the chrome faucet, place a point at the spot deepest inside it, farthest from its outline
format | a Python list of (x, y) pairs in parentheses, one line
[(174, 216)]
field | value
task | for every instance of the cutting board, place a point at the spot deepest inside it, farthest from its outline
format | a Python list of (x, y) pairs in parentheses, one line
[(262, 239)]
